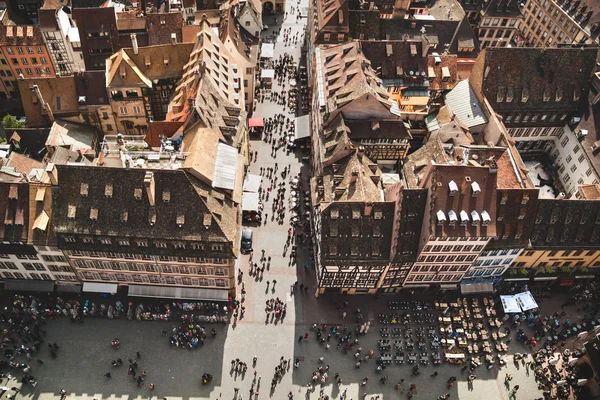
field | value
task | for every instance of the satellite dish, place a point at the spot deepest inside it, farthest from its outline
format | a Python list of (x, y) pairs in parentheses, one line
[(411, 73)]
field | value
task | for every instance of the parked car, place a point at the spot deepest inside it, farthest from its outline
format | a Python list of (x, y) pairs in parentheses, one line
[(246, 240)]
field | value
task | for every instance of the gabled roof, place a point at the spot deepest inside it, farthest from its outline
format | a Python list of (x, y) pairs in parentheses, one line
[(463, 103), (332, 15), (344, 75), (165, 61)]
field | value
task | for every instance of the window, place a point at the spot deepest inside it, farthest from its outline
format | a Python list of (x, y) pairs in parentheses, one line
[(137, 110), (24, 61), (40, 50), (327, 37), (28, 71), (10, 51), (123, 110), (581, 158), (43, 60), (573, 168), (14, 61), (569, 158), (565, 141), (38, 71)]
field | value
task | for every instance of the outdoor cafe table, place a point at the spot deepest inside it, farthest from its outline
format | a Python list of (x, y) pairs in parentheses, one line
[(412, 358), (454, 305)]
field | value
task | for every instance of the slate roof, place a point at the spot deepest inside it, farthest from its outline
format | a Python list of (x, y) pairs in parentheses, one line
[(548, 78), (190, 198), (160, 26)]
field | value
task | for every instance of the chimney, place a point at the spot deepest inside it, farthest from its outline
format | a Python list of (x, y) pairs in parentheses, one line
[(173, 38), (360, 151), (493, 167), (149, 184), (134, 43), (354, 176), (45, 106), (52, 173)]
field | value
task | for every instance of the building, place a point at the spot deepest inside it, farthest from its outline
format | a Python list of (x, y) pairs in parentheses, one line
[(25, 51), (62, 39), (93, 101), (26, 10), (125, 223), (551, 23), (531, 87), (8, 81), (243, 46), (349, 103), (30, 259), (98, 34), (141, 83), (499, 23), (352, 225), (464, 209)]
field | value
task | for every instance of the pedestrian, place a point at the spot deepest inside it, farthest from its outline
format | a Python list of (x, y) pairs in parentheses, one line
[(138, 355), (108, 375), (344, 315), (434, 374)]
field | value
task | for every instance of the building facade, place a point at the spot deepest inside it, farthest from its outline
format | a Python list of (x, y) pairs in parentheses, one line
[(25, 51)]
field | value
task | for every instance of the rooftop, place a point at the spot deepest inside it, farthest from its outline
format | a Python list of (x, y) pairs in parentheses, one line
[(518, 78), (70, 135), (20, 35)]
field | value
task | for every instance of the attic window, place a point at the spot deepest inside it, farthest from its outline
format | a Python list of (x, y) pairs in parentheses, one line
[(147, 61), (525, 95), (72, 211), (559, 94), (166, 60), (501, 94), (547, 94), (355, 213), (453, 188), (166, 196), (13, 192), (162, 21), (475, 188), (207, 219), (180, 220), (108, 190), (84, 189), (441, 217), (137, 193), (334, 213), (152, 217), (94, 214), (576, 94), (452, 217), (122, 72), (509, 94), (124, 216)]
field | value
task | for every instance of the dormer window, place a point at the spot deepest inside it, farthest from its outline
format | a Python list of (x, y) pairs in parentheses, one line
[(464, 218), (547, 94), (475, 218), (94, 214), (166, 196), (453, 188), (84, 189), (510, 94), (501, 94), (485, 218), (525, 95), (441, 217), (108, 190), (475, 189), (452, 217), (559, 94)]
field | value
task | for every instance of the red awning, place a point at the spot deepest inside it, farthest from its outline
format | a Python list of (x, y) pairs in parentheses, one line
[(256, 122)]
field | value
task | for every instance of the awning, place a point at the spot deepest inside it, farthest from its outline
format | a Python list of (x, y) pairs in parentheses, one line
[(267, 73), (252, 183), (256, 122), (250, 201), (178, 292), (448, 286), (454, 355), (509, 304), (100, 287), (479, 287), (68, 288), (29, 285), (302, 127), (267, 50)]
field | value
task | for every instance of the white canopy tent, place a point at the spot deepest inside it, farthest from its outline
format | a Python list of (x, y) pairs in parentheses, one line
[(510, 304), (267, 73), (267, 50), (252, 183), (526, 301), (250, 201)]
